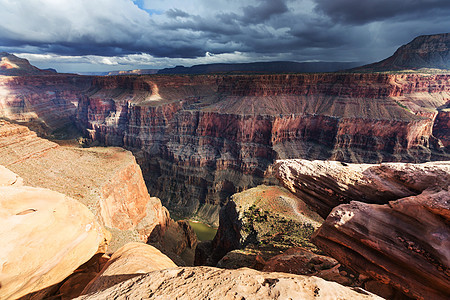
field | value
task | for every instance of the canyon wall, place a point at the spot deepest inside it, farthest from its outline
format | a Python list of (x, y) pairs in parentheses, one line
[(200, 139)]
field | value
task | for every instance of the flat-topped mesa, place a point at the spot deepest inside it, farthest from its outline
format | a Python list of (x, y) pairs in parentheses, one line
[(203, 138)]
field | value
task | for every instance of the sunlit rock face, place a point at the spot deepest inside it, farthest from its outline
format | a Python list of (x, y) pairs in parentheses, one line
[(389, 221), (213, 283), (326, 184), (47, 104), (34, 219), (107, 180), (199, 139)]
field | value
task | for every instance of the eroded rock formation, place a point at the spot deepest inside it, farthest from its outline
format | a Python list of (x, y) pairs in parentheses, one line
[(203, 138), (107, 180), (45, 236), (200, 139), (260, 222), (326, 184), (213, 283), (404, 243)]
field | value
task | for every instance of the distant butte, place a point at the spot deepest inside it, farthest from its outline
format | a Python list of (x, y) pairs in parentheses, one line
[(424, 52)]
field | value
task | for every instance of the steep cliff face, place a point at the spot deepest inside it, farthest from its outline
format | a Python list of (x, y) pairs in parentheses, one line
[(107, 180), (199, 139), (44, 103)]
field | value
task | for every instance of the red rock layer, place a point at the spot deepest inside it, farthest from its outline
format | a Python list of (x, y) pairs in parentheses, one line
[(48, 102), (405, 244), (202, 138)]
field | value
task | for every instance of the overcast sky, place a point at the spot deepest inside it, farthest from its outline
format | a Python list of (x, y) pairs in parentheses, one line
[(101, 35)]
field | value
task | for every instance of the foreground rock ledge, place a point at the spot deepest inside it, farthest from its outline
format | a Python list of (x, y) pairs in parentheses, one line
[(45, 236), (129, 261), (213, 283), (405, 243)]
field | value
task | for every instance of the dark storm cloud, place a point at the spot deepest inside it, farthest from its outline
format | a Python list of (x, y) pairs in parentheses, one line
[(365, 11), (330, 30), (263, 11)]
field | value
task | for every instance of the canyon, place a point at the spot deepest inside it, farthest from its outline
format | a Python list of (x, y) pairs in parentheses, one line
[(199, 139), (342, 176)]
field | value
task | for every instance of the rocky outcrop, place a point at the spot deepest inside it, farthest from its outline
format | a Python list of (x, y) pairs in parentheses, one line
[(129, 261), (107, 180), (212, 283), (262, 221), (442, 125), (426, 51), (326, 184), (403, 243), (33, 219)]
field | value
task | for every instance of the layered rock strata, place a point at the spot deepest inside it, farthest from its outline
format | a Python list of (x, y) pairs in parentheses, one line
[(213, 283), (326, 184), (405, 243), (203, 138), (47, 104), (33, 219), (394, 227)]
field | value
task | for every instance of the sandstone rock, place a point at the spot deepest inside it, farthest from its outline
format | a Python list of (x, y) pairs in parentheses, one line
[(9, 178), (178, 241), (107, 180), (45, 236), (326, 184), (267, 219), (129, 261), (404, 243), (213, 283)]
